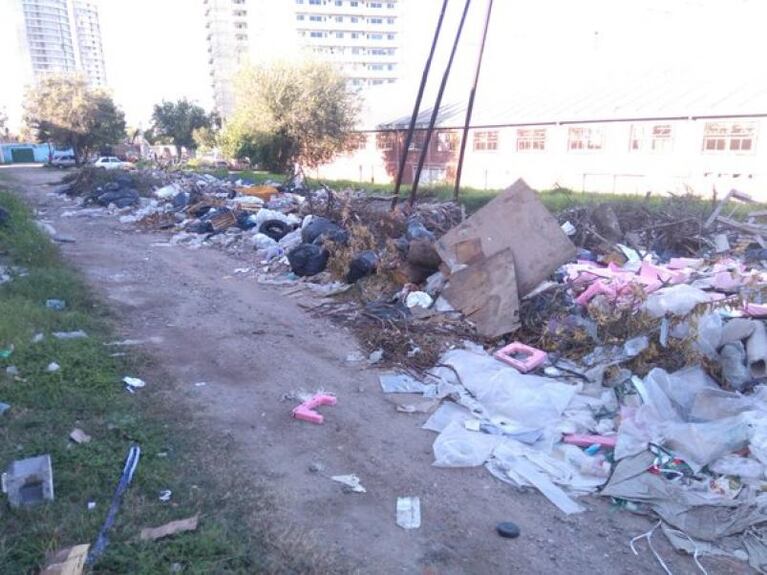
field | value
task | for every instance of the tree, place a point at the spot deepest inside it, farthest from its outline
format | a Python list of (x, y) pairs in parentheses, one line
[(65, 110), (290, 113), (4, 132), (175, 122)]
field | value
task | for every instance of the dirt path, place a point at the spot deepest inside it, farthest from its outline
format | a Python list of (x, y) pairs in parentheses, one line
[(252, 346)]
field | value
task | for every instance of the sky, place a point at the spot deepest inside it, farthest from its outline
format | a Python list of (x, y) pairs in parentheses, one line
[(155, 49)]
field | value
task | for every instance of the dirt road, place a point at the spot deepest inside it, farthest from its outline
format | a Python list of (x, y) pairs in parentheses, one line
[(252, 346)]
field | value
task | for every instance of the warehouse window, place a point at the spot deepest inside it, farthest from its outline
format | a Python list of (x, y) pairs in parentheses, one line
[(485, 141), (652, 138), (447, 141), (385, 141), (585, 139), (732, 136), (531, 139)]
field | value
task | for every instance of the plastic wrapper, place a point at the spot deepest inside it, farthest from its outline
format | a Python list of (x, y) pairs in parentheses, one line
[(458, 447), (677, 300)]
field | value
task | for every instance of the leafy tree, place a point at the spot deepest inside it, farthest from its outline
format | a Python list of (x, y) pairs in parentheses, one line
[(290, 113), (65, 110), (175, 123), (4, 132), (204, 139)]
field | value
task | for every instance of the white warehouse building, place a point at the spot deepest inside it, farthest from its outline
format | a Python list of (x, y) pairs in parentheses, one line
[(652, 135)]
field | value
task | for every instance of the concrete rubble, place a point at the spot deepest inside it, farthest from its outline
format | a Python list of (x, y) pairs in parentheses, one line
[(641, 363)]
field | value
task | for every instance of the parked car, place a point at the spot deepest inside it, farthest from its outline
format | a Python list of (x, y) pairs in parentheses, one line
[(112, 163), (63, 160)]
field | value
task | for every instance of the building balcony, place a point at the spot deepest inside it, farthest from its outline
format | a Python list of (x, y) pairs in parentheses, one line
[(330, 9)]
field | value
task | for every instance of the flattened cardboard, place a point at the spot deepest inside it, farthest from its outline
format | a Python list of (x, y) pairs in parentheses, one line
[(517, 220)]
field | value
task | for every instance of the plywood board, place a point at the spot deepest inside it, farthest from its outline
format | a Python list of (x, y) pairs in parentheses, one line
[(486, 293), (516, 220)]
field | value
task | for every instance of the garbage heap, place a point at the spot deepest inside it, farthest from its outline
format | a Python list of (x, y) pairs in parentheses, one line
[(624, 351), (642, 380)]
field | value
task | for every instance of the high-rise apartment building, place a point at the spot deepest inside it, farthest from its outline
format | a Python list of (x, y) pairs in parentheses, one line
[(227, 34), (89, 51), (362, 37), (58, 36), (48, 32)]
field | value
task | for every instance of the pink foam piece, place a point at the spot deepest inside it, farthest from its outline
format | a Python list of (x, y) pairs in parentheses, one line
[(596, 288), (756, 309), (588, 440), (652, 271), (535, 356), (305, 411), (682, 263), (726, 281)]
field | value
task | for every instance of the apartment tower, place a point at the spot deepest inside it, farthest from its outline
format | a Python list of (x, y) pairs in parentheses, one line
[(362, 37)]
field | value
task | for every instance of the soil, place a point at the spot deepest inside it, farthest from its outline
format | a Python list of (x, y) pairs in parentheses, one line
[(254, 346)]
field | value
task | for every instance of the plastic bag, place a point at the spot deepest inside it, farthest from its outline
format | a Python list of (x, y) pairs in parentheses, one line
[(677, 300), (709, 334), (263, 242), (308, 260), (738, 466), (458, 447), (702, 443), (362, 265), (528, 399)]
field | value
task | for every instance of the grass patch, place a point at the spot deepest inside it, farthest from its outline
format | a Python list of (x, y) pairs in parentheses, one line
[(556, 200), (86, 393)]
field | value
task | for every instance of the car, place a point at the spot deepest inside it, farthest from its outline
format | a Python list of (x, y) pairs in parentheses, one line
[(63, 160), (111, 163)]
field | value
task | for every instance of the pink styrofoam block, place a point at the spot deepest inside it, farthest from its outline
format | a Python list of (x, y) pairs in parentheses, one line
[(596, 288), (535, 357), (726, 281), (682, 263), (667, 275), (305, 411), (756, 309), (587, 440)]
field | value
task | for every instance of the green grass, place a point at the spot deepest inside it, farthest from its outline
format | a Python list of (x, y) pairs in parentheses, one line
[(86, 393), (556, 200)]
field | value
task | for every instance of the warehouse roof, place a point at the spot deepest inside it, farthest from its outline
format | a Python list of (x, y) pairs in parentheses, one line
[(644, 98)]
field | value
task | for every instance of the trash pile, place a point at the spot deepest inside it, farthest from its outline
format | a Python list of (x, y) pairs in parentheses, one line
[(319, 239), (624, 352), (647, 385)]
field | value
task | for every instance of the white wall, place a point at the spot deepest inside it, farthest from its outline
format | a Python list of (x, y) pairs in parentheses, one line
[(614, 168)]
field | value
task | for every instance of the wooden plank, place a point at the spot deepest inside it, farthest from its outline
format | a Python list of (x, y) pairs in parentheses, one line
[(486, 293), (516, 220)]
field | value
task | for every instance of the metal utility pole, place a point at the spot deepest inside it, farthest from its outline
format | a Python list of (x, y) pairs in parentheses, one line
[(435, 111), (417, 108), (470, 105)]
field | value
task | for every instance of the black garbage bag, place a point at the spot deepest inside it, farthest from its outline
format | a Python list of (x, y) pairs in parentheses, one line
[(200, 227), (275, 229), (308, 259), (417, 231), (120, 198), (180, 200), (320, 229), (364, 264), (244, 222)]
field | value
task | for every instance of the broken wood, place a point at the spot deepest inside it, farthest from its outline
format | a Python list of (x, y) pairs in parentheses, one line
[(172, 528), (67, 561)]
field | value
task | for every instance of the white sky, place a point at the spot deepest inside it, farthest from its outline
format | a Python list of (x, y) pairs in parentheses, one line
[(155, 49)]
